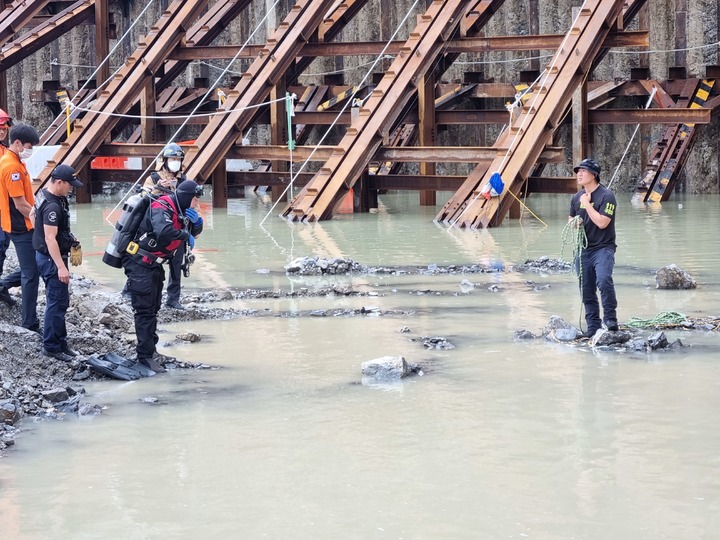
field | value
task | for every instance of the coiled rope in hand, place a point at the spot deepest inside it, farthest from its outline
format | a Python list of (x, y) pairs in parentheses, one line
[(573, 234), (665, 319)]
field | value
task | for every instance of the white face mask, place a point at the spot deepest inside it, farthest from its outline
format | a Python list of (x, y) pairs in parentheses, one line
[(26, 153), (174, 166)]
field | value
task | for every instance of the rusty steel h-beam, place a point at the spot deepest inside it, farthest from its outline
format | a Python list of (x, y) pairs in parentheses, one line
[(26, 44), (16, 15), (122, 90), (317, 200), (254, 87), (519, 146), (120, 93)]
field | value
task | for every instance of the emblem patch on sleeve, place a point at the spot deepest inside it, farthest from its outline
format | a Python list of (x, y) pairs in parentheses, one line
[(15, 176), (52, 217)]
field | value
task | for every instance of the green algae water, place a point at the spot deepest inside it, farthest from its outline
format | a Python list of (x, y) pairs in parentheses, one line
[(497, 439)]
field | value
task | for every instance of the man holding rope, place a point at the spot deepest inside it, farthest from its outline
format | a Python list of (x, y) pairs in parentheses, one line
[(593, 207)]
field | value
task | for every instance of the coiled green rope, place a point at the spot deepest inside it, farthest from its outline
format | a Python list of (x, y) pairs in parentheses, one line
[(573, 234), (666, 318)]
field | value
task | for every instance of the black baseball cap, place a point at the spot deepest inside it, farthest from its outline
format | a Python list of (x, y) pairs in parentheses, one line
[(67, 173)]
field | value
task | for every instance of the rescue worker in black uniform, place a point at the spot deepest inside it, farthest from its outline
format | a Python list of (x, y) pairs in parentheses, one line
[(53, 242), (164, 229), (595, 205), (167, 175)]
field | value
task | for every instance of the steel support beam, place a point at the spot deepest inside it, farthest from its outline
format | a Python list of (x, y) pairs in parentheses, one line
[(254, 87), (121, 92), (400, 154), (377, 116), (456, 46), (530, 131)]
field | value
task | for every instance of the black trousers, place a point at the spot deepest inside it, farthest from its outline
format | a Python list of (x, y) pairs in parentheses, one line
[(145, 284), (174, 276), (597, 270)]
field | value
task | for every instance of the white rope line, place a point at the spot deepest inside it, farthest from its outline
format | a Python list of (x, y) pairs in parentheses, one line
[(87, 98), (219, 112), (546, 72), (664, 51), (647, 105), (199, 104), (510, 61), (55, 62), (224, 70), (345, 106)]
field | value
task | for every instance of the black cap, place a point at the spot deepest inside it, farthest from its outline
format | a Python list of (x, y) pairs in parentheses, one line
[(67, 173), (589, 165)]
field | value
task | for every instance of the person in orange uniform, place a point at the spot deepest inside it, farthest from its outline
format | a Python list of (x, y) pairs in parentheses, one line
[(16, 202), (5, 123)]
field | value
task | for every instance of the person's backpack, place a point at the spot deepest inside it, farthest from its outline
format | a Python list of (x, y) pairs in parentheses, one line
[(126, 228)]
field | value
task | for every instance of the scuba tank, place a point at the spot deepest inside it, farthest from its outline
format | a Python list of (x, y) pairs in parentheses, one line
[(126, 228)]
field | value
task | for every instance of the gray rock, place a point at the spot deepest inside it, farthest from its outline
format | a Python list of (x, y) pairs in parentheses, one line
[(657, 341), (89, 409), (55, 395), (386, 368), (556, 322), (674, 277), (81, 375), (466, 285), (190, 337), (70, 405), (524, 334), (437, 342), (611, 338), (9, 412), (638, 345), (565, 334)]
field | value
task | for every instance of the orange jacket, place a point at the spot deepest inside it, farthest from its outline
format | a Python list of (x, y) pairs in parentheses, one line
[(14, 182)]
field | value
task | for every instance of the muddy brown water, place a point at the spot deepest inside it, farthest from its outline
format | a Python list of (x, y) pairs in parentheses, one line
[(499, 439)]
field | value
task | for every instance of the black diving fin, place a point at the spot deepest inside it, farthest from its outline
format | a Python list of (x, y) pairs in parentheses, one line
[(115, 366)]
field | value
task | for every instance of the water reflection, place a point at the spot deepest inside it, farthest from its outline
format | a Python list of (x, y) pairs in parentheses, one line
[(499, 438)]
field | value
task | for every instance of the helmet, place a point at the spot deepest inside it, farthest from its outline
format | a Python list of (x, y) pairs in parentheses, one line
[(186, 191), (589, 165), (5, 120), (173, 150)]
